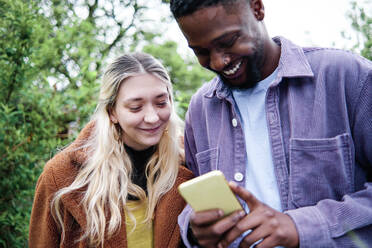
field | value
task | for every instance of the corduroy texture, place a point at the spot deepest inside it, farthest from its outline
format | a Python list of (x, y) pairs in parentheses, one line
[(60, 172)]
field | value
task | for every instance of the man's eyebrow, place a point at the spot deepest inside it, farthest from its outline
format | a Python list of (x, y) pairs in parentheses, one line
[(223, 36)]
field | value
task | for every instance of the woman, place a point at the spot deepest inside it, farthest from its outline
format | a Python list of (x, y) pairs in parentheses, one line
[(116, 184)]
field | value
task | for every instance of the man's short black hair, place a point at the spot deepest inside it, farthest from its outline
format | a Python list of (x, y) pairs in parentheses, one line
[(181, 8)]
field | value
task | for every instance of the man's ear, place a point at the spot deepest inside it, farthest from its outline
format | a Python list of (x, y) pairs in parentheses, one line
[(258, 9)]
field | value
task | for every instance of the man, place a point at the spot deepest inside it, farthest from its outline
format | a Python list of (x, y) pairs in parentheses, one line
[(290, 126)]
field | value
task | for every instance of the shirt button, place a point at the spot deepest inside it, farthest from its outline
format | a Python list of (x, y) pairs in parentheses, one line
[(234, 122), (238, 176)]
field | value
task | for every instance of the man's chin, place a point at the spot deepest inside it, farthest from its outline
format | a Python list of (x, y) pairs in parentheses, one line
[(239, 83)]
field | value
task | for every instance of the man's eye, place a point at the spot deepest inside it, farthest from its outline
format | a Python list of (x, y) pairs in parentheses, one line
[(201, 52), (229, 43)]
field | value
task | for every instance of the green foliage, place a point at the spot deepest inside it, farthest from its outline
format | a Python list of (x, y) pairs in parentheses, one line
[(27, 114), (362, 23), (51, 59), (73, 45), (27, 135), (187, 75)]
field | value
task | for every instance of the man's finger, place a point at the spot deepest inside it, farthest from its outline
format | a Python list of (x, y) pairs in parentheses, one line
[(267, 242), (206, 217), (228, 222), (217, 229), (255, 236), (244, 194), (249, 222)]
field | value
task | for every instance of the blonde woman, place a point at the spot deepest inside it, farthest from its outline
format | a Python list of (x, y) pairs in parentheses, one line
[(115, 185)]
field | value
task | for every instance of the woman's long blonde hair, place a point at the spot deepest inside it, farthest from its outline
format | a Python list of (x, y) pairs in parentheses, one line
[(106, 173)]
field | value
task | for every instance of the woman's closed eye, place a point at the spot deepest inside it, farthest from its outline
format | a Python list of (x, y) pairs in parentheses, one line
[(162, 104), (135, 108)]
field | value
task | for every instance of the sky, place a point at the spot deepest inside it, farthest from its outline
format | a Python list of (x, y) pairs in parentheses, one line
[(309, 22), (305, 22)]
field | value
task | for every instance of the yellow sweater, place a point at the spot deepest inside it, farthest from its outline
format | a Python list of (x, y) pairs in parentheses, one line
[(142, 234)]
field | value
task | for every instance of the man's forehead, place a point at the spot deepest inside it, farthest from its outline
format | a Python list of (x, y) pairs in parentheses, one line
[(212, 21), (214, 12)]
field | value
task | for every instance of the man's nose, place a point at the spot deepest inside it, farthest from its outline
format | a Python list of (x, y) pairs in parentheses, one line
[(218, 61), (151, 115)]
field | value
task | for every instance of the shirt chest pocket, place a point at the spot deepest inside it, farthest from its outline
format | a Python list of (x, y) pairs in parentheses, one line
[(207, 160), (320, 169)]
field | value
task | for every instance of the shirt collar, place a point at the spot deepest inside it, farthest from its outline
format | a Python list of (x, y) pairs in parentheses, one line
[(292, 62)]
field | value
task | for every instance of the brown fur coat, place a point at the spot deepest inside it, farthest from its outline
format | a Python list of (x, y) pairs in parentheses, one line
[(60, 172)]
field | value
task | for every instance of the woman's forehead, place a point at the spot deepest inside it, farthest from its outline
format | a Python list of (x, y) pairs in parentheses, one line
[(142, 87)]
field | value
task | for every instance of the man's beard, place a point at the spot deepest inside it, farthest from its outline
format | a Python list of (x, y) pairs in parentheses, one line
[(253, 66), (253, 72)]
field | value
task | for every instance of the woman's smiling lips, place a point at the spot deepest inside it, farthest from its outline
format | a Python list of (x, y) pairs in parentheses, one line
[(151, 130)]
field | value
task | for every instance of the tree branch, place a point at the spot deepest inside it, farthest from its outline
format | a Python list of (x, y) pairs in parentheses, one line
[(122, 31), (92, 8)]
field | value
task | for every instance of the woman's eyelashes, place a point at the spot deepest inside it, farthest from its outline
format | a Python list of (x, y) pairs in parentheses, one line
[(135, 108), (162, 104), (138, 108)]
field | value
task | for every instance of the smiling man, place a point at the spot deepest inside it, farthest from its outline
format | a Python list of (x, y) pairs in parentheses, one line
[(291, 127), (234, 43)]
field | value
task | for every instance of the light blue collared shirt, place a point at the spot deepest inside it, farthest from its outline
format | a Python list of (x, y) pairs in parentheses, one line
[(260, 177)]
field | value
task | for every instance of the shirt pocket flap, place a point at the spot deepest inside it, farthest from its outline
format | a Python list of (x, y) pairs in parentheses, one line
[(320, 169), (207, 160)]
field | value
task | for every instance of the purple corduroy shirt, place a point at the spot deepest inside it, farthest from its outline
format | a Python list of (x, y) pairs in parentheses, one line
[(319, 116)]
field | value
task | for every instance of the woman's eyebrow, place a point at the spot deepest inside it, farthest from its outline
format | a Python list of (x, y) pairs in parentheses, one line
[(162, 95), (138, 99), (133, 99)]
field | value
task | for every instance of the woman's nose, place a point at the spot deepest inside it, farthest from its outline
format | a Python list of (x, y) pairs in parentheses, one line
[(151, 115)]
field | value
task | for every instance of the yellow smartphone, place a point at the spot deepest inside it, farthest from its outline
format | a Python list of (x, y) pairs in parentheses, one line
[(209, 191)]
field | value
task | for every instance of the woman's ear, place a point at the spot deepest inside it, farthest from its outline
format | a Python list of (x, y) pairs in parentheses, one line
[(113, 118)]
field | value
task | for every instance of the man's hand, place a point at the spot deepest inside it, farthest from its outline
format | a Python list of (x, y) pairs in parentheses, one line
[(272, 227), (208, 227)]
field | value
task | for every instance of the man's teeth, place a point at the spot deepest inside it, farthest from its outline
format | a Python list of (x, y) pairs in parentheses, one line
[(233, 70)]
